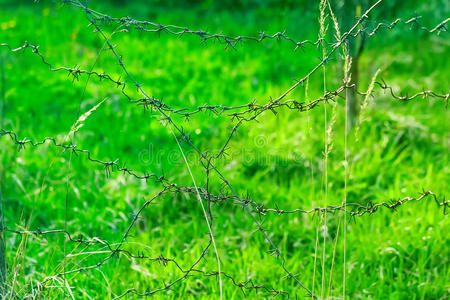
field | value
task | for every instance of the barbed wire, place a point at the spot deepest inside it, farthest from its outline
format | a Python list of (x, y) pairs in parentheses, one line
[(248, 285), (108, 165), (254, 110), (233, 41), (115, 249), (276, 250), (242, 113), (251, 108), (209, 162), (361, 210), (161, 259), (260, 209), (249, 111), (358, 209)]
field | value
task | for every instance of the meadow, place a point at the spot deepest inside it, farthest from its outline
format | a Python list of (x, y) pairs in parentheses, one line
[(285, 159)]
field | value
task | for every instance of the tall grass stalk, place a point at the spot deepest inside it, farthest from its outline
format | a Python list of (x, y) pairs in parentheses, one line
[(199, 198), (322, 33), (2, 237), (346, 70)]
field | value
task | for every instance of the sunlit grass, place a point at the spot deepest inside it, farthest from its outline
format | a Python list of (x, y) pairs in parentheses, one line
[(402, 149)]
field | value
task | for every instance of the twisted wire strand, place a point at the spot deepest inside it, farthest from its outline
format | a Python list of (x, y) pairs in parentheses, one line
[(356, 209), (229, 41), (245, 109)]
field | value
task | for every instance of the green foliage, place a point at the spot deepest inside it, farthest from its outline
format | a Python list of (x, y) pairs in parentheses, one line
[(402, 148)]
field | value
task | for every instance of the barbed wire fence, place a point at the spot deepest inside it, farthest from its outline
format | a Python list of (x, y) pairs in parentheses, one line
[(239, 114)]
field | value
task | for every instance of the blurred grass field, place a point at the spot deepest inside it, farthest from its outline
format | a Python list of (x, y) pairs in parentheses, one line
[(402, 148)]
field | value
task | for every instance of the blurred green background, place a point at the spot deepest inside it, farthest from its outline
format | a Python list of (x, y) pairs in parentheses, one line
[(402, 148)]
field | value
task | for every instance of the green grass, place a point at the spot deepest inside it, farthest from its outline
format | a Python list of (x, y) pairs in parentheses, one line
[(402, 149)]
